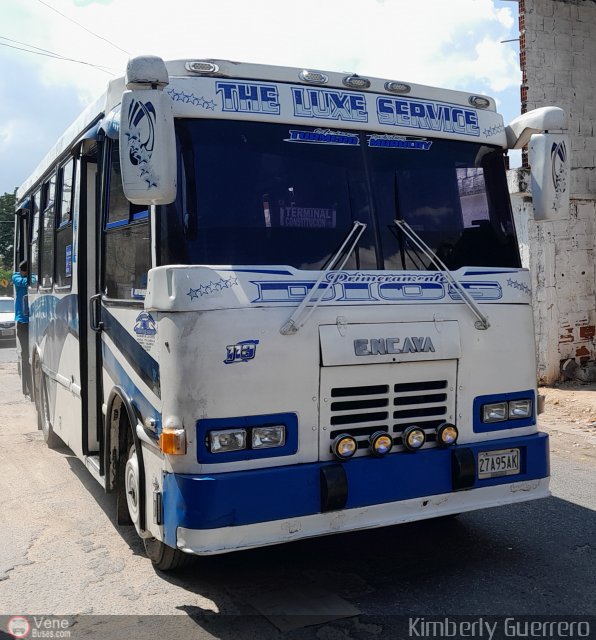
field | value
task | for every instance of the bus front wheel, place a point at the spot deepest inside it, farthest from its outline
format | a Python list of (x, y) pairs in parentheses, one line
[(163, 557)]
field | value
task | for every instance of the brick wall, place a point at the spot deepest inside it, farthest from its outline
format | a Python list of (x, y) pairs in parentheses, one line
[(558, 59), (558, 49)]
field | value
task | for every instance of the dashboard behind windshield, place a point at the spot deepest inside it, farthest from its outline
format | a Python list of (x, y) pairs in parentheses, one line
[(255, 193)]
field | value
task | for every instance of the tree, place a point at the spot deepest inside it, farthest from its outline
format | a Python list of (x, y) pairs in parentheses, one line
[(7, 218)]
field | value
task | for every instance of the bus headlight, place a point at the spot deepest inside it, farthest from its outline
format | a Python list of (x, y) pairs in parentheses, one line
[(520, 408), (381, 443), (494, 412), (344, 446), (270, 436), (413, 438), (446, 434), (227, 440)]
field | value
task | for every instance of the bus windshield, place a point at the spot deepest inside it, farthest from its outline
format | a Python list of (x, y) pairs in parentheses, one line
[(255, 193)]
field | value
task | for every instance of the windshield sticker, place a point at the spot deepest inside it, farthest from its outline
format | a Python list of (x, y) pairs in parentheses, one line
[(307, 217), (419, 114), (241, 352), (388, 141), (248, 97), (329, 105), (68, 257), (146, 330), (323, 136)]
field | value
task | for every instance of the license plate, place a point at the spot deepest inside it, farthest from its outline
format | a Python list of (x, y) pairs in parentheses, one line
[(492, 464), (8, 332)]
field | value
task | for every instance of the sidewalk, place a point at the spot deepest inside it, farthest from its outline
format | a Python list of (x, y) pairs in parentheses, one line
[(570, 415)]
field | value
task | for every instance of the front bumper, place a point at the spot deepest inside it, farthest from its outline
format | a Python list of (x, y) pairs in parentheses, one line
[(222, 512)]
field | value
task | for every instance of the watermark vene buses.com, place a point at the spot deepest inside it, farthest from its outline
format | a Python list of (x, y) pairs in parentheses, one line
[(38, 627)]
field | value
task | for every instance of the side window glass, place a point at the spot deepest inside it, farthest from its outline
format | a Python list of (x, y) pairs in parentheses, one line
[(47, 241), (66, 192), (34, 253), (64, 256), (127, 243)]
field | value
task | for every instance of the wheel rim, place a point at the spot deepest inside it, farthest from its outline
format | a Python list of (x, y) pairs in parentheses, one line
[(131, 484)]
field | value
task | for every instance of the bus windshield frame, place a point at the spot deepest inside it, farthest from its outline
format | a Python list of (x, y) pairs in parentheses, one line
[(255, 193)]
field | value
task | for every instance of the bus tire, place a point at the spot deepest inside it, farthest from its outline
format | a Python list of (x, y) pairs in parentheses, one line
[(51, 439), (132, 487), (164, 557)]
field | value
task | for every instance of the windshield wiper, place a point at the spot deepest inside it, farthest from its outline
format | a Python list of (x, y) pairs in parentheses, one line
[(295, 321), (482, 322)]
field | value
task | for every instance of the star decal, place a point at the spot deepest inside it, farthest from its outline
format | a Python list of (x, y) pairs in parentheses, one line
[(190, 98), (212, 287), (520, 286)]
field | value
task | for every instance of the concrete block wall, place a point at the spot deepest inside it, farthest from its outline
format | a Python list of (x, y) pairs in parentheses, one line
[(558, 59)]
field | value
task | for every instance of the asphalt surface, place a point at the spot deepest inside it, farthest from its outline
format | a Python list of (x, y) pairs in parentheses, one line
[(63, 554)]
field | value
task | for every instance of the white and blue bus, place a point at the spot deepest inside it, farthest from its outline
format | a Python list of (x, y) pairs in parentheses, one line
[(271, 303)]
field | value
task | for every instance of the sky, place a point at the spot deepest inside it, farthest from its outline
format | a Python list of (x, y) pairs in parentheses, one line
[(448, 43)]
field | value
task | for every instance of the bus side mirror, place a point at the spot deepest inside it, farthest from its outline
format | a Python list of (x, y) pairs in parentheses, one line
[(549, 157), (147, 139), (550, 172)]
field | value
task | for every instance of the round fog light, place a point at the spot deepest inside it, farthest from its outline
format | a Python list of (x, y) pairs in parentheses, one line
[(414, 438), (381, 443), (344, 446), (446, 434)]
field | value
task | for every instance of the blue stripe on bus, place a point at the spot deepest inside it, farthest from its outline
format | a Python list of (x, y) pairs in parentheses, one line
[(260, 495), (138, 359), (117, 372)]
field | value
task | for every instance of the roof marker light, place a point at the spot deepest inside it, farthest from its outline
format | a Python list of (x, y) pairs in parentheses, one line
[(479, 102), (397, 87), (313, 77), (356, 82), (200, 66)]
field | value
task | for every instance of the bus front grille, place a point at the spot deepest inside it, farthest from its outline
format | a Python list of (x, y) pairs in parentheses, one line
[(388, 397)]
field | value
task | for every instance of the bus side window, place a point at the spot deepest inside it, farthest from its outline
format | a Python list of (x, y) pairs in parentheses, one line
[(47, 230), (127, 246), (64, 258), (34, 251)]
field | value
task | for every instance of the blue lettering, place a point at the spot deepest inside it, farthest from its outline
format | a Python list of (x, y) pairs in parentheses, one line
[(276, 291), (406, 291), (242, 97), (329, 105), (385, 111), (418, 114)]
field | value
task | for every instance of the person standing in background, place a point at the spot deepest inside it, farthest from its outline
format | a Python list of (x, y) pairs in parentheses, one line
[(21, 314)]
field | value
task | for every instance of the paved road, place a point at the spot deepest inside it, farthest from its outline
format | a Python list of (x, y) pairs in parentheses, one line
[(63, 554), (8, 352)]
